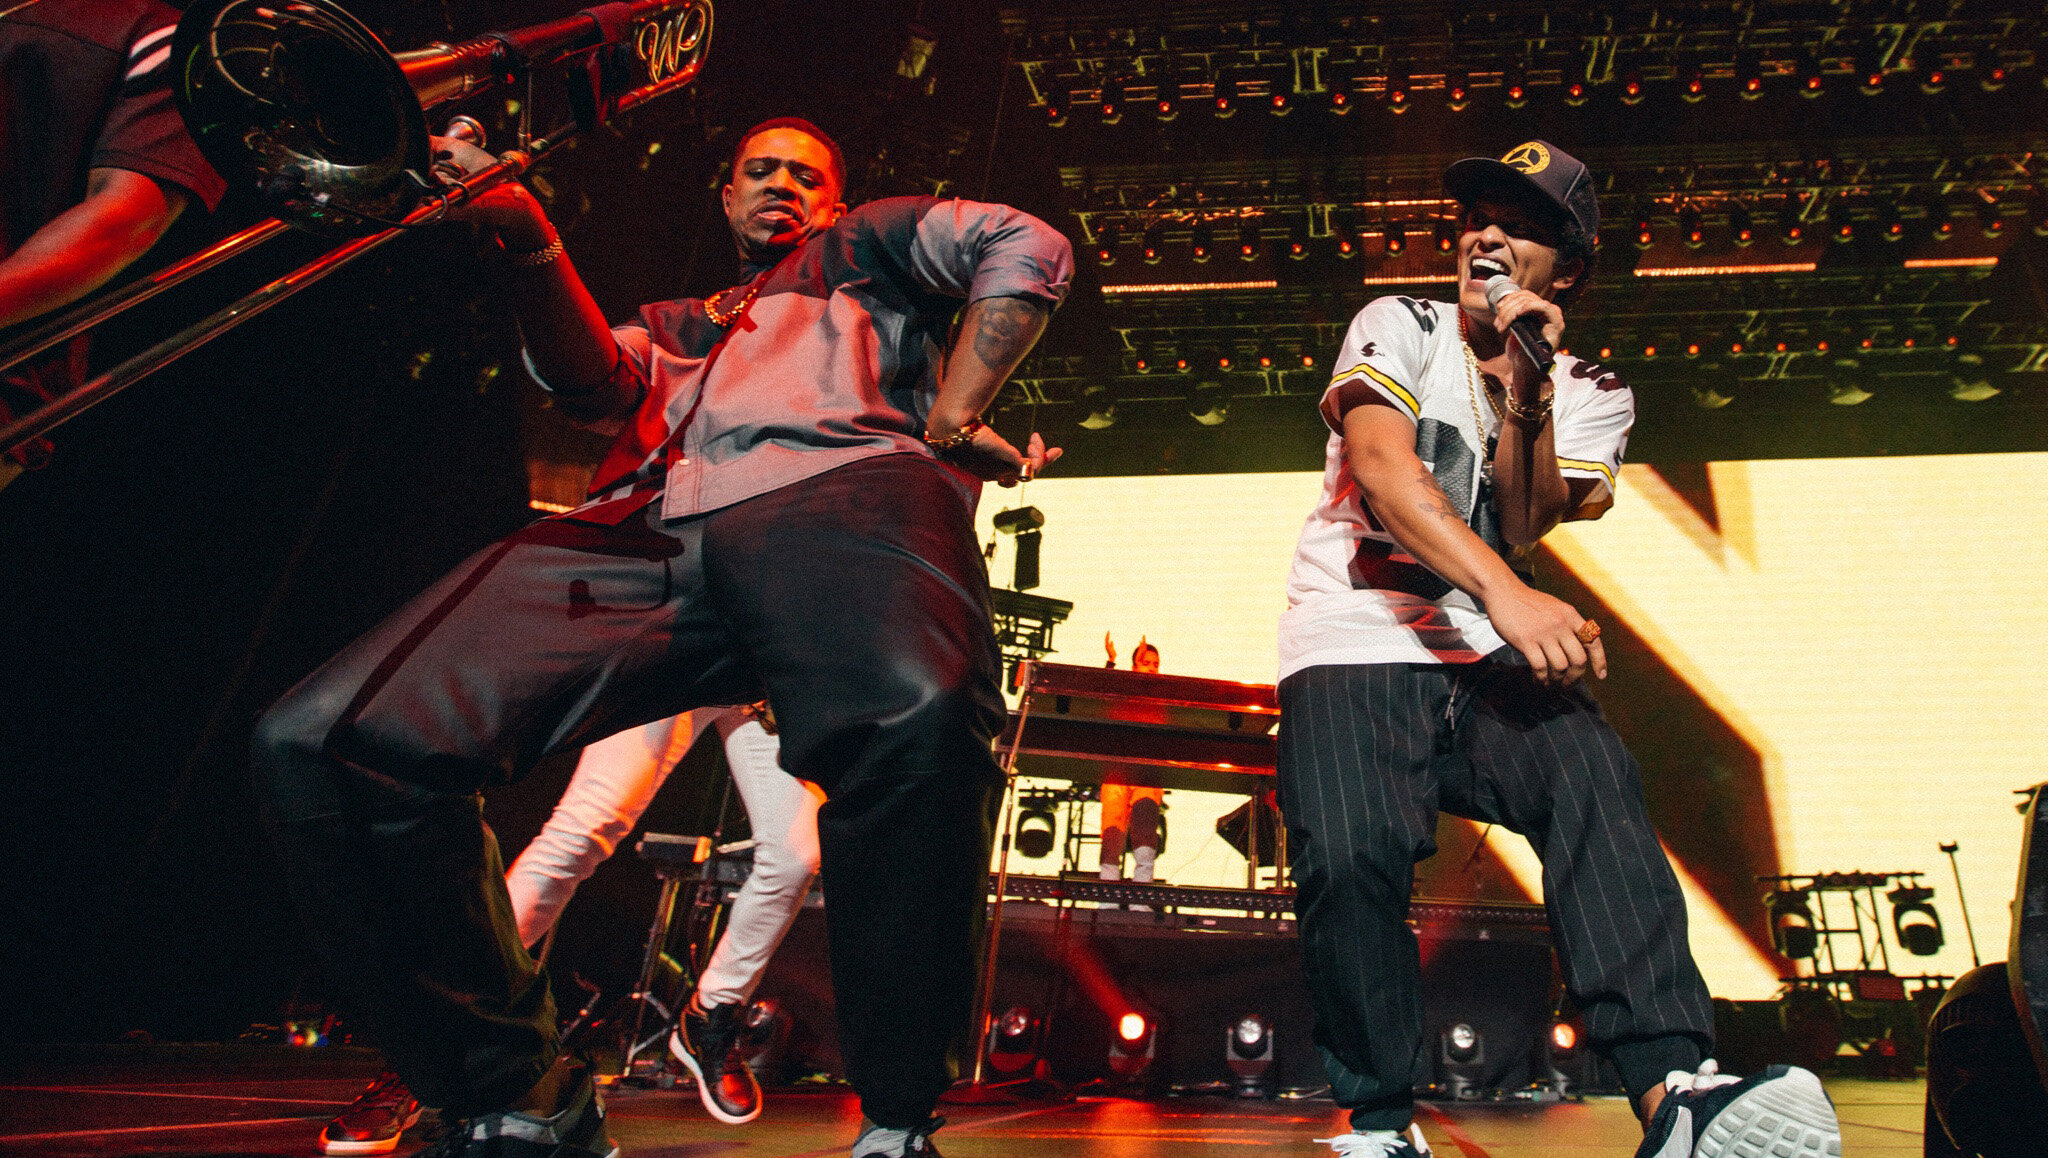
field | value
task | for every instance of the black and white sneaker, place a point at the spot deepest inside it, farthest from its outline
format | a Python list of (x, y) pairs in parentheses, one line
[(372, 1123), (575, 1132), (1781, 1112), (883, 1142), (1379, 1143), (706, 1041)]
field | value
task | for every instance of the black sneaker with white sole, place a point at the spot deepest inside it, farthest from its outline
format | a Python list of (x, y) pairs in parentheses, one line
[(706, 1041), (373, 1122), (1781, 1112)]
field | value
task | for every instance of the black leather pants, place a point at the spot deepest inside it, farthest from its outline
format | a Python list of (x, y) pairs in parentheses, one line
[(855, 599)]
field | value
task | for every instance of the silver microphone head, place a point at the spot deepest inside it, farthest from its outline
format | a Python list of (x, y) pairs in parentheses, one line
[(1499, 286)]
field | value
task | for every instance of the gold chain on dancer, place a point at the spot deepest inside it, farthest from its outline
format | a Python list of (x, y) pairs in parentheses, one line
[(732, 315)]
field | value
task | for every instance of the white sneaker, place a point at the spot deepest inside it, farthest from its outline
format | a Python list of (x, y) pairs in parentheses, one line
[(1379, 1143), (1782, 1112)]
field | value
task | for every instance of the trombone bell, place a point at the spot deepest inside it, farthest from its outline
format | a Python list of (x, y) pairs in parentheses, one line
[(300, 101)]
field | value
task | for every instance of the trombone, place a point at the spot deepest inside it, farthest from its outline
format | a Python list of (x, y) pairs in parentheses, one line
[(299, 100)]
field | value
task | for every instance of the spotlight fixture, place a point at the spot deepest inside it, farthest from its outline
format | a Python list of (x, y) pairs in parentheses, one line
[(1107, 235), (1993, 77), (1225, 91), (1152, 245), (2037, 212), (1740, 227), (1793, 930), (1646, 231), (1514, 86), (1749, 75), (1394, 238), (1969, 381), (1397, 89), (1101, 410), (1841, 226), (1845, 386), (764, 1040), (1812, 82), (1248, 1051), (1869, 72), (1166, 96), (1708, 398), (1914, 920), (1248, 241), (1693, 84), (1344, 231), (1035, 825), (1989, 219), (1462, 1050), (1203, 240), (1014, 1046), (1055, 111), (1024, 523), (1575, 92), (1690, 227), (1445, 231), (1340, 98), (1894, 223), (1279, 103), (1941, 224), (1297, 240), (1632, 87), (1112, 93), (1209, 403), (1933, 75), (1458, 89), (1133, 1045), (1791, 226)]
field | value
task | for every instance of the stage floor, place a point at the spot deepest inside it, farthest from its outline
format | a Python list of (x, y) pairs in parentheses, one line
[(254, 1102)]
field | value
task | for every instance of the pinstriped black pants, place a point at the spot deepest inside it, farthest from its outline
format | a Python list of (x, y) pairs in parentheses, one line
[(1368, 754)]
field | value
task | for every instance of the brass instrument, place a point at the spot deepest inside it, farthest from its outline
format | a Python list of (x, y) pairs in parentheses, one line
[(300, 101)]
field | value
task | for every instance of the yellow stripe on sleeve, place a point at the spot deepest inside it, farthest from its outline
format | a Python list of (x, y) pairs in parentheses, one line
[(1395, 388), (1599, 468)]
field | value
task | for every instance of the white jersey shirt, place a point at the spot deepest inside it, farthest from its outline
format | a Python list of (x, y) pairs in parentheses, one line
[(1353, 595)]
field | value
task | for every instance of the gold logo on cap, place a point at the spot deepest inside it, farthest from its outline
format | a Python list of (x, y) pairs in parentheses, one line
[(1531, 158)]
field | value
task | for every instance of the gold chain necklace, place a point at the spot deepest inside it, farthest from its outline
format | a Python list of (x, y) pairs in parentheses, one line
[(1472, 385), (733, 315)]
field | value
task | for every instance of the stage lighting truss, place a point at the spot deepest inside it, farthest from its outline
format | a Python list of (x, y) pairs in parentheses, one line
[(1832, 927), (1248, 1051)]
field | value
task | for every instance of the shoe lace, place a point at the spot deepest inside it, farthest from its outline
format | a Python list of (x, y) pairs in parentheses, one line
[(382, 1088), (1707, 1077), (1375, 1143)]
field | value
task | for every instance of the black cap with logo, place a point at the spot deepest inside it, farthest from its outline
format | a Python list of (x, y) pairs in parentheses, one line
[(1553, 175)]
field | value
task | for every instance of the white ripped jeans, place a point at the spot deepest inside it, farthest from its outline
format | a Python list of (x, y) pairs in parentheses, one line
[(616, 780)]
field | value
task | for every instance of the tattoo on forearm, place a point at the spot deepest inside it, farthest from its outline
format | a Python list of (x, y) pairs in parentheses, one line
[(1005, 331), (1434, 500)]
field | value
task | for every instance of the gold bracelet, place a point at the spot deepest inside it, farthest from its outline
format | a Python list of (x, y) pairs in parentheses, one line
[(535, 258), (1536, 413), (958, 438)]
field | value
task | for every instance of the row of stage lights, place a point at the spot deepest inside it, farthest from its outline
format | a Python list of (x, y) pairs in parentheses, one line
[(1841, 224), (1020, 1043), (1339, 95), (1789, 223), (1248, 242), (1839, 361)]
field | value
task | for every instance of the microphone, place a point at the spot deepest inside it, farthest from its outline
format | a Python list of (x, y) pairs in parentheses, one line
[(1527, 329)]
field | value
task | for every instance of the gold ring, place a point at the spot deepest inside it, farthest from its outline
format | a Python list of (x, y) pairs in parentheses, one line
[(1588, 631)]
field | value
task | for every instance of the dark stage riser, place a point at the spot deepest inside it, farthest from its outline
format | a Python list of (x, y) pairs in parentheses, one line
[(1196, 975)]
